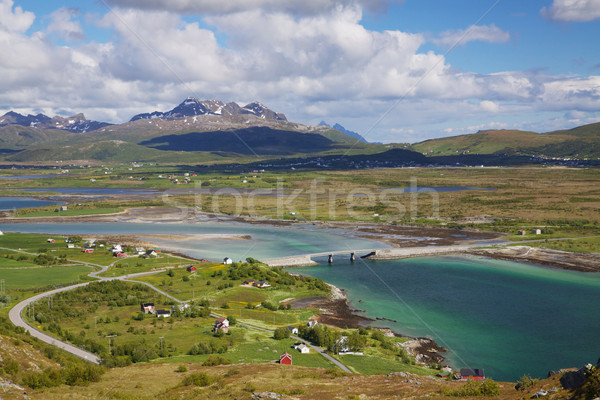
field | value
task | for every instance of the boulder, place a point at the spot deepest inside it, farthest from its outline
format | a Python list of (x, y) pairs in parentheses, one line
[(574, 379)]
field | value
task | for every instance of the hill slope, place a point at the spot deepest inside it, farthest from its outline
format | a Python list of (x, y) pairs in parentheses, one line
[(580, 142)]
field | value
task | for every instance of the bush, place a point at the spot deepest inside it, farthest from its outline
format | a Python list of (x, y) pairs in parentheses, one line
[(197, 379), (216, 360), (526, 382), (487, 388), (181, 368), (281, 333)]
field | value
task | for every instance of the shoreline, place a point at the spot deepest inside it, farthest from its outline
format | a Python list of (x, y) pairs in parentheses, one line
[(337, 311)]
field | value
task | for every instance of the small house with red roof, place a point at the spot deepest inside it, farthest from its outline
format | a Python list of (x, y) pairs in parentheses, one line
[(477, 374), (191, 268), (285, 358), (222, 324)]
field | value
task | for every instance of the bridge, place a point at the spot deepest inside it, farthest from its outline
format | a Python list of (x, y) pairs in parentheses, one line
[(304, 260)]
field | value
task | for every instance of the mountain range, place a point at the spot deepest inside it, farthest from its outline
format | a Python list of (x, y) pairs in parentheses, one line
[(75, 124), (198, 131), (193, 130)]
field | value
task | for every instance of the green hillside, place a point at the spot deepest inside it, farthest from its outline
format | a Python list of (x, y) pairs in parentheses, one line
[(17, 137), (113, 150), (580, 142)]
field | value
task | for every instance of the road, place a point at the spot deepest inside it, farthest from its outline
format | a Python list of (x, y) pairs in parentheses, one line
[(15, 315)]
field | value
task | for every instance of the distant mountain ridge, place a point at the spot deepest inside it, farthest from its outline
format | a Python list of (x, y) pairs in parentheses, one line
[(344, 130), (192, 107), (75, 124)]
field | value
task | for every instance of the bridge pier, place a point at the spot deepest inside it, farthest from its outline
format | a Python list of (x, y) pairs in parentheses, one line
[(352, 257), (330, 259)]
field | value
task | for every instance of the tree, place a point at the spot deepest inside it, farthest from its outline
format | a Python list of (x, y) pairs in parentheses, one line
[(281, 333), (356, 341)]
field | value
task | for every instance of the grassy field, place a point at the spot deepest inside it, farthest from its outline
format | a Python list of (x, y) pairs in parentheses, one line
[(30, 278), (374, 365), (229, 297)]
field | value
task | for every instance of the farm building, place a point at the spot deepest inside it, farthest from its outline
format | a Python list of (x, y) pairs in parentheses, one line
[(87, 250), (293, 330), (223, 324), (227, 261), (302, 348), (476, 374), (191, 268), (285, 358), (148, 308), (163, 313)]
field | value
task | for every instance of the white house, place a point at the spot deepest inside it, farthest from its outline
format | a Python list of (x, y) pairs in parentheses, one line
[(302, 348), (117, 248), (293, 330), (536, 231), (312, 323), (227, 260)]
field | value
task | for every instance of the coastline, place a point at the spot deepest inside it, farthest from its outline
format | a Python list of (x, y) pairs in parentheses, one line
[(337, 311)]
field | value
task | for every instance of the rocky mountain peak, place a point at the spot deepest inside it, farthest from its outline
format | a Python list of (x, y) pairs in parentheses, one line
[(192, 106)]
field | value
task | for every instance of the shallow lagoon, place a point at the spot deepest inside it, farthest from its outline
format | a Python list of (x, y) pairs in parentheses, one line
[(15, 203)]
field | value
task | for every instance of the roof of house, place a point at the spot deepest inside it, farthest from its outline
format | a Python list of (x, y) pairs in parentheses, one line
[(285, 355), (222, 320), (147, 304), (472, 372), (163, 311)]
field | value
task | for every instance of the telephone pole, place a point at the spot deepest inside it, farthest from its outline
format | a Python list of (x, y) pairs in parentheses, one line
[(109, 337)]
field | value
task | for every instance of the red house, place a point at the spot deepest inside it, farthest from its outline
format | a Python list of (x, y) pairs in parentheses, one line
[(285, 358), (476, 374), (191, 268), (87, 250)]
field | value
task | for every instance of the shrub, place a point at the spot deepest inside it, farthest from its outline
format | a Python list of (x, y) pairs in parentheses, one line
[(197, 379), (216, 360), (181, 368), (281, 333), (526, 382), (487, 388)]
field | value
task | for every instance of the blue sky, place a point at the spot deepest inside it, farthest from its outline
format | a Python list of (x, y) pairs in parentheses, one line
[(395, 71)]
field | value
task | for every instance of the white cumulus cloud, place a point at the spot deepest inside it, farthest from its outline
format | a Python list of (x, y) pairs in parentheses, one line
[(481, 33), (63, 23), (234, 6), (573, 10)]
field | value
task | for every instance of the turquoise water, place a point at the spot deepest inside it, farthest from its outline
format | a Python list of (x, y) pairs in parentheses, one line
[(265, 242), (509, 318)]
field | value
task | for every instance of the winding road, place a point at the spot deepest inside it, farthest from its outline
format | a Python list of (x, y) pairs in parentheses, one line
[(15, 315)]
